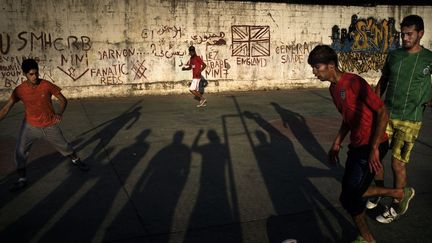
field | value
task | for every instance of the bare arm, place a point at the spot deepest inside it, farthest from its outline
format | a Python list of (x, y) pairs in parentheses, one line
[(380, 127), (186, 68), (63, 104), (333, 154), (381, 86), (7, 107)]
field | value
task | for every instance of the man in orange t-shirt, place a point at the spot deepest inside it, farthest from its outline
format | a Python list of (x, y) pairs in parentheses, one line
[(41, 120)]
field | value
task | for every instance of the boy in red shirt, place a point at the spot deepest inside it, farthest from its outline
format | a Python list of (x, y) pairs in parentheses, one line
[(41, 120), (197, 65), (365, 116)]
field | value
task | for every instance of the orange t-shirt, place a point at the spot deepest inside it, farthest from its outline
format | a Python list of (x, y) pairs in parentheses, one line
[(39, 110)]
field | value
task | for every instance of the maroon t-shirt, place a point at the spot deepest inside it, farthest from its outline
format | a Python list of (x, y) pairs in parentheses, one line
[(196, 63), (356, 101)]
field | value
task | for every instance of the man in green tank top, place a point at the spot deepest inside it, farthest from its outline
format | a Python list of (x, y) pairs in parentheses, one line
[(407, 78)]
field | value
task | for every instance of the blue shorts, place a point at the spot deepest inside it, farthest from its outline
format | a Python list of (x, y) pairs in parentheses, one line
[(357, 177)]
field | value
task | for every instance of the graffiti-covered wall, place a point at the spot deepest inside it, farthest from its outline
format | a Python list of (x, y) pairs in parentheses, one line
[(118, 47)]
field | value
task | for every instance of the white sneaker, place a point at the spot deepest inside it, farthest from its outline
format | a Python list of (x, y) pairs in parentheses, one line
[(202, 103), (388, 216), (289, 241), (372, 202)]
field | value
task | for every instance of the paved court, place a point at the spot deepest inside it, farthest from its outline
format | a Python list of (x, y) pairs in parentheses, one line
[(249, 168)]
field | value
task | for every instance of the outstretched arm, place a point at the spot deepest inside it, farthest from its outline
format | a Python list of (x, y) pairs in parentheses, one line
[(7, 107), (135, 119), (186, 68), (195, 142)]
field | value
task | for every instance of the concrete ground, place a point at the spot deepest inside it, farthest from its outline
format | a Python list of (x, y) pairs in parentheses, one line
[(250, 167)]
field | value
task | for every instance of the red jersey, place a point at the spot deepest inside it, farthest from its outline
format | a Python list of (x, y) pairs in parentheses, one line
[(356, 101), (196, 63), (39, 111)]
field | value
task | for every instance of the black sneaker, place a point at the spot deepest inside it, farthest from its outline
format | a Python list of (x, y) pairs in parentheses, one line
[(19, 185), (81, 165)]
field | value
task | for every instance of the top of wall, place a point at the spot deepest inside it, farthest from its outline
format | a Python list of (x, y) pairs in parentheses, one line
[(368, 3)]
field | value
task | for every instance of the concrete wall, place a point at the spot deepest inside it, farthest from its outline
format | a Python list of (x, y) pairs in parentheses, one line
[(118, 48)]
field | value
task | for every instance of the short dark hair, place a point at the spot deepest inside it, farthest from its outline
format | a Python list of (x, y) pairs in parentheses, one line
[(29, 64), (322, 54), (415, 20), (191, 48)]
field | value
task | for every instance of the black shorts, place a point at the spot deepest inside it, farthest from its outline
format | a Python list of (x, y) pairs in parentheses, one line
[(357, 177)]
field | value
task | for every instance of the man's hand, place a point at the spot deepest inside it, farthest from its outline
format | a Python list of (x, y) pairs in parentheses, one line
[(374, 161), (333, 154), (8, 106), (57, 118)]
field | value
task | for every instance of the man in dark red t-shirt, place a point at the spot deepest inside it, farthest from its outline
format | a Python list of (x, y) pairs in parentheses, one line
[(41, 120), (365, 116), (197, 65)]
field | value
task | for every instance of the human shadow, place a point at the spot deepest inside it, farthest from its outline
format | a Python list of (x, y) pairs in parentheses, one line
[(158, 190), (78, 202), (102, 200), (43, 217), (37, 168), (108, 130), (291, 190), (423, 143), (213, 207), (301, 131)]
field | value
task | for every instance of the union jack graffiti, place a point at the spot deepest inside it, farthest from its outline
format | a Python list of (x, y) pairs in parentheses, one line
[(250, 41)]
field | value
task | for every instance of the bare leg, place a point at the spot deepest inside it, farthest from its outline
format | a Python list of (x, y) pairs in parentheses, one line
[(379, 178), (360, 221), (372, 191), (399, 173), (196, 93)]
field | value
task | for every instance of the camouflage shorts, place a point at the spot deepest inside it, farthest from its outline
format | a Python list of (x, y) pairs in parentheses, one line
[(402, 135)]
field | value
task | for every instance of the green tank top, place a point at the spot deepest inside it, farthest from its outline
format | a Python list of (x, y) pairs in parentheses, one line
[(409, 83)]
